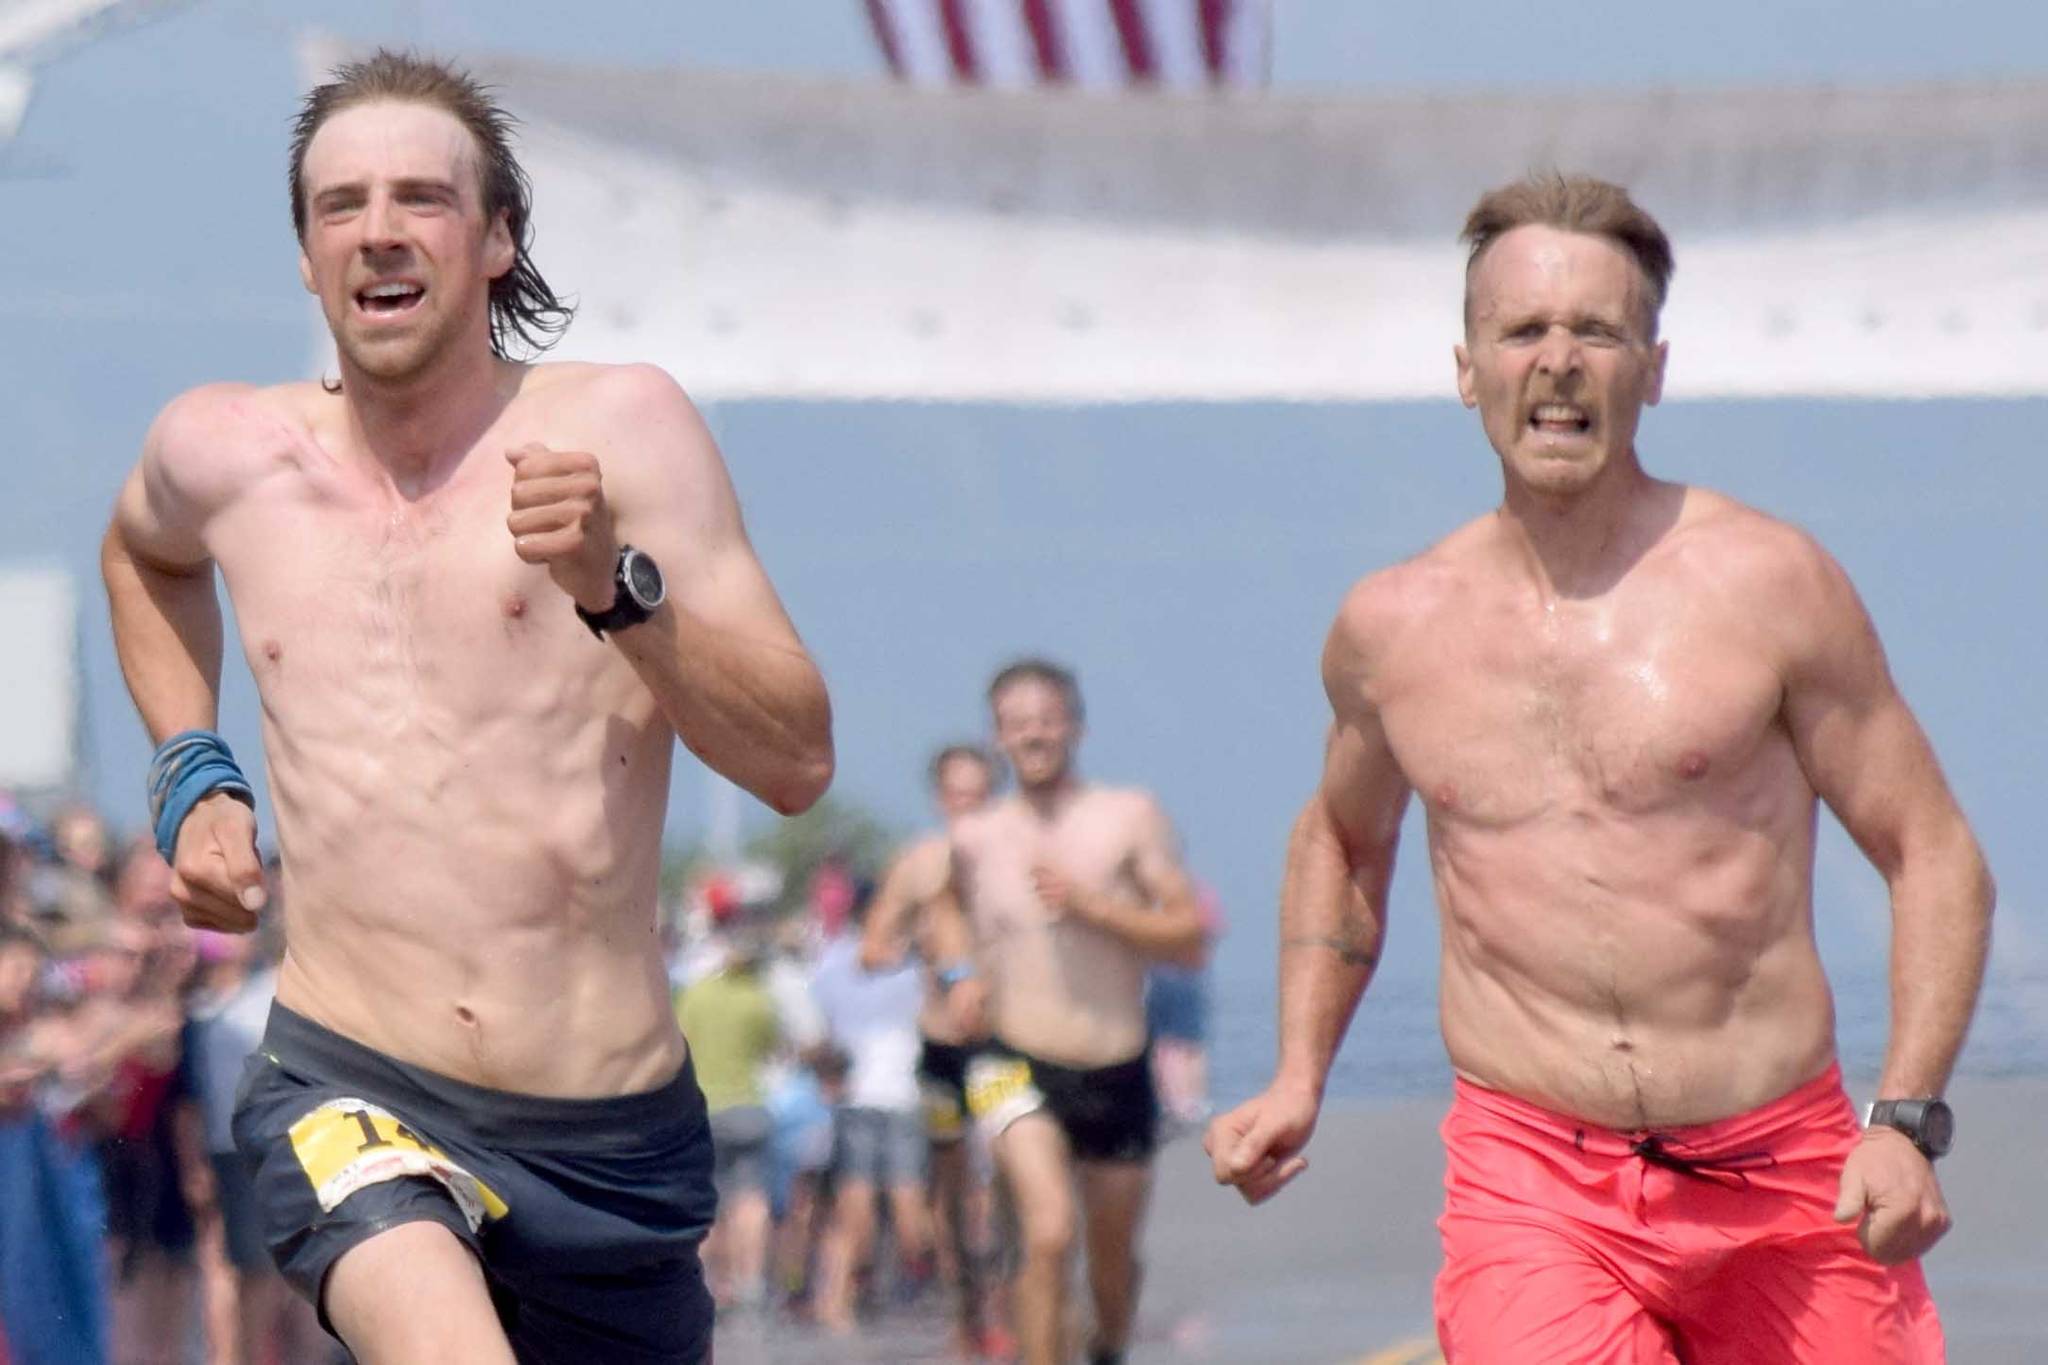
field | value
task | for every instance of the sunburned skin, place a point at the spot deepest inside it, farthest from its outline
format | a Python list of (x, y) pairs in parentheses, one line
[(1619, 827), (1621, 702), (469, 784)]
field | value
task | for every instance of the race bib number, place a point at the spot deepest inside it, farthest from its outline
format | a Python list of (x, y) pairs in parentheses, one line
[(347, 1144), (1000, 1091)]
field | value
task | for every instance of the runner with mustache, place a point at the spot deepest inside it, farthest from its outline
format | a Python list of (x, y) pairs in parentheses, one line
[(1620, 702)]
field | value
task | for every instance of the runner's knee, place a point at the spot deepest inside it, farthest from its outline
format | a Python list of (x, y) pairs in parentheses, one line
[(1049, 1230)]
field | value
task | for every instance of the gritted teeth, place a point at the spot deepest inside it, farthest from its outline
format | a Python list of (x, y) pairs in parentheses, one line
[(1560, 415)]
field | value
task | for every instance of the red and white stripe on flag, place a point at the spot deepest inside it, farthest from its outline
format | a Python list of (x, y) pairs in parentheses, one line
[(1096, 44)]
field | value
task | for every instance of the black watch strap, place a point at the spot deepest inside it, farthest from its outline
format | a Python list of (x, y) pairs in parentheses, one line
[(1928, 1122), (624, 610)]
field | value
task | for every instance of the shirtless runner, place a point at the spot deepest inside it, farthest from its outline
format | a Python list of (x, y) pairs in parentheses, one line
[(475, 1126), (1618, 700), (962, 778), (1069, 890)]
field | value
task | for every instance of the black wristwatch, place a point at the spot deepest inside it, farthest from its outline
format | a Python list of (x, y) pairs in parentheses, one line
[(1930, 1123), (638, 591)]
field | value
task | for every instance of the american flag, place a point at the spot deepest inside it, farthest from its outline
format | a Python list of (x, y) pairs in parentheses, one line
[(1095, 44)]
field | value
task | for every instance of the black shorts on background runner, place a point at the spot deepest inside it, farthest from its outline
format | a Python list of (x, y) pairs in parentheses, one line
[(942, 1085), (1109, 1113), (585, 1214)]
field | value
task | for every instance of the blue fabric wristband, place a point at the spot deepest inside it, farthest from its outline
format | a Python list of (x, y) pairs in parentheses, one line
[(189, 767)]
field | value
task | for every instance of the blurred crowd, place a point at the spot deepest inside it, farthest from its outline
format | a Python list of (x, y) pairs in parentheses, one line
[(809, 1068), (128, 1231), (849, 1192)]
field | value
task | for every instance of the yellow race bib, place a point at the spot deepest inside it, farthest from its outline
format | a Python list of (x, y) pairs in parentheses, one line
[(1000, 1091), (347, 1144)]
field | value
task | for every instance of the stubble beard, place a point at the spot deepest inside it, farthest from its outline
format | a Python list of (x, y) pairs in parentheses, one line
[(401, 359)]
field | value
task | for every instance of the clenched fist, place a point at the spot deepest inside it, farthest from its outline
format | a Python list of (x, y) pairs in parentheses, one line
[(1257, 1146), (560, 519), (217, 876), (1889, 1192)]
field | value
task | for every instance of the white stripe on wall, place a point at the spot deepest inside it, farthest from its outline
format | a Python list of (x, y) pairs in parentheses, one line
[(1247, 40), (1002, 43), (921, 38), (1095, 54), (1175, 27)]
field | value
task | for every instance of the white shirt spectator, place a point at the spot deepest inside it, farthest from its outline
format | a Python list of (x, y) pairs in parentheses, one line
[(872, 1017)]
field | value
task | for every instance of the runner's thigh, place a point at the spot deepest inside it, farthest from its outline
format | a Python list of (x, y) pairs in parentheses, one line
[(1818, 1301), (411, 1293), (1033, 1157), (1527, 1295)]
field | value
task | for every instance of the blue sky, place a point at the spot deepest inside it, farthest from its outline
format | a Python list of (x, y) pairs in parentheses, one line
[(1186, 558)]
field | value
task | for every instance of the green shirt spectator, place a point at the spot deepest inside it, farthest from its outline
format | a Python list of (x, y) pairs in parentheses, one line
[(731, 1023)]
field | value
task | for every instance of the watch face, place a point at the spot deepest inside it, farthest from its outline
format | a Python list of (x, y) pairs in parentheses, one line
[(1937, 1128), (643, 580)]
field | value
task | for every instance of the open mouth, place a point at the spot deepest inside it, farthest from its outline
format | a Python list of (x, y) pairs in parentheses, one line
[(1560, 419), (390, 298)]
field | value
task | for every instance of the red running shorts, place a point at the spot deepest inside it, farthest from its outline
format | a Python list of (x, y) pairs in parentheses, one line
[(1570, 1244)]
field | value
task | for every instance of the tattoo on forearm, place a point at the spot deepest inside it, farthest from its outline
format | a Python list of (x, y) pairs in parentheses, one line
[(1351, 954)]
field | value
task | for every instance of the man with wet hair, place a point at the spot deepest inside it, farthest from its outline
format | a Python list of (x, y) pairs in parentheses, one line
[(1057, 899), (1620, 702), (482, 599)]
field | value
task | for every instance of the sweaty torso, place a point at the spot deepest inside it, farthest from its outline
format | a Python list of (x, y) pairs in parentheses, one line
[(469, 786), (1621, 834), (1060, 989)]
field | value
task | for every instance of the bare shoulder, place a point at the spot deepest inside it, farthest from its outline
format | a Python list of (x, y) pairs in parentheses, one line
[(211, 442), (924, 862), (1388, 607), (1133, 807), (219, 423), (1767, 567), (612, 397), (658, 457)]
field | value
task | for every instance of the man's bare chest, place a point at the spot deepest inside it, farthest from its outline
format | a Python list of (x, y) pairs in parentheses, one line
[(1093, 854), (332, 584), (1497, 728)]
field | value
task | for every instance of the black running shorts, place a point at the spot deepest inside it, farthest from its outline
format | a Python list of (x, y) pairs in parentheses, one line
[(585, 1214), (1109, 1113)]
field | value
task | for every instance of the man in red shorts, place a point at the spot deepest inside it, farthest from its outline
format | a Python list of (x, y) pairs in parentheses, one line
[(1619, 700)]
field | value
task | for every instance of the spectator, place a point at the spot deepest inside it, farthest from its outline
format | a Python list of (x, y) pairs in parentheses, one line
[(14, 863), (730, 1020), (138, 1049), (52, 1287), (72, 895), (800, 1083), (878, 1129), (255, 1318)]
